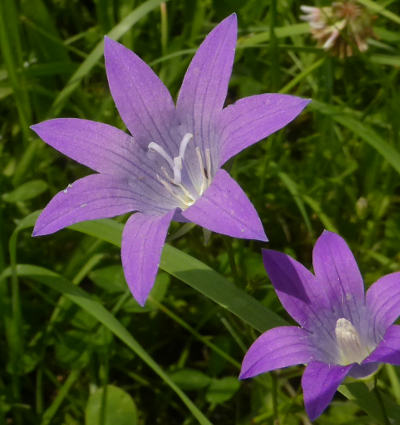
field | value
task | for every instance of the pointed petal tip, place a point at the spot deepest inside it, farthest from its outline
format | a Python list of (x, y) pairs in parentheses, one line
[(41, 231), (245, 371), (110, 44), (230, 19), (262, 237), (242, 376), (37, 127), (141, 300)]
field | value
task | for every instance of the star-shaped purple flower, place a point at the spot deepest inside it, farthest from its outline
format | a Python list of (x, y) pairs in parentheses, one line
[(169, 168), (342, 331)]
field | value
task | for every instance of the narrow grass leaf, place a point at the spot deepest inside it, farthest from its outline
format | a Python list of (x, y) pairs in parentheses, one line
[(364, 131), (378, 8), (95, 55), (95, 309), (280, 32), (197, 275)]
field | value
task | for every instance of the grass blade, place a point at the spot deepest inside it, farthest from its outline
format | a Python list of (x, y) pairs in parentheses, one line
[(197, 275), (95, 55), (94, 308)]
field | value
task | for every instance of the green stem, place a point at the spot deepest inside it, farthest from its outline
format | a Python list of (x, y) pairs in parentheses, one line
[(196, 334), (380, 401), (232, 262)]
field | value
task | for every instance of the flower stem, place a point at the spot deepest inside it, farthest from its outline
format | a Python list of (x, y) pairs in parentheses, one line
[(380, 401)]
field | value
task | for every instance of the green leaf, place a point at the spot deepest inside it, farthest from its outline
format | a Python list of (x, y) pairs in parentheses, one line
[(378, 8), (95, 309), (190, 379), (95, 55), (197, 275), (222, 390), (280, 32), (26, 191), (116, 406), (370, 403), (362, 130), (111, 279)]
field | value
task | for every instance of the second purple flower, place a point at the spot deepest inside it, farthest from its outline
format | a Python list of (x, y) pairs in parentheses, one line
[(343, 332)]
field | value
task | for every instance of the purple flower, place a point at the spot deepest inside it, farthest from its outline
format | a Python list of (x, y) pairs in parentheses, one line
[(342, 331), (170, 168)]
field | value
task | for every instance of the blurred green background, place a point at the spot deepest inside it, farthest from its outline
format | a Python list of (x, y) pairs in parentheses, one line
[(71, 355)]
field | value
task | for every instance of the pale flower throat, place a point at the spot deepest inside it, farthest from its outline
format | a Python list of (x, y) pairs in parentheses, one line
[(351, 348), (173, 183)]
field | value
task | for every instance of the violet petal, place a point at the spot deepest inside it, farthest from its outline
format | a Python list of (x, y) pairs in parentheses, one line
[(337, 272), (92, 197), (383, 301), (276, 348), (320, 382), (388, 350), (143, 239), (142, 100), (205, 84), (296, 287), (253, 118), (99, 146), (359, 371), (224, 208)]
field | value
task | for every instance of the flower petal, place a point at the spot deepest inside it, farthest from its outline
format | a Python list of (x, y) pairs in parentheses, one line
[(388, 350), (279, 347), (295, 286), (383, 302), (205, 85), (109, 150), (142, 241), (320, 382), (224, 208), (101, 147), (142, 100), (337, 271), (253, 118), (92, 197), (359, 371)]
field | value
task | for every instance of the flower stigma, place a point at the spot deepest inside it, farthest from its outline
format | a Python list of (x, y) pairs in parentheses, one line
[(351, 349), (173, 184)]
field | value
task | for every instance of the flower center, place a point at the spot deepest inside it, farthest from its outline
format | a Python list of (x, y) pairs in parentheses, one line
[(186, 196), (351, 349)]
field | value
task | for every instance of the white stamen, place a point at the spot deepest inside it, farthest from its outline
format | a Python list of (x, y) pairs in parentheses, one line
[(351, 349), (174, 194), (160, 150), (172, 184), (186, 139), (203, 175)]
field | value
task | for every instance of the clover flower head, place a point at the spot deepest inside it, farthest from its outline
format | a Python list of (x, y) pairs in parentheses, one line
[(340, 27), (169, 166), (342, 331)]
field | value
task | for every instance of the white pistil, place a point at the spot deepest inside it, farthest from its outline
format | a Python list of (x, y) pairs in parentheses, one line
[(351, 349), (172, 183)]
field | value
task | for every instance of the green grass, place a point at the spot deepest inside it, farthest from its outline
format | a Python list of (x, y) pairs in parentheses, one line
[(75, 345)]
